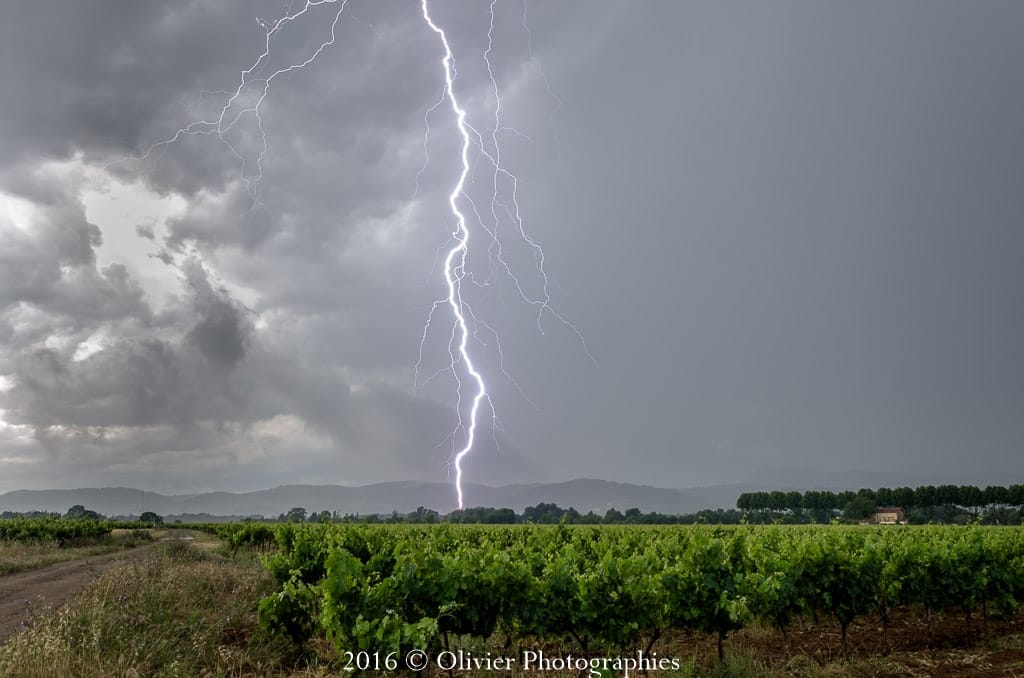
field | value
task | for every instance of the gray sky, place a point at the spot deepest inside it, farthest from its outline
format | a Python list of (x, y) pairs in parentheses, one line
[(790, 233)]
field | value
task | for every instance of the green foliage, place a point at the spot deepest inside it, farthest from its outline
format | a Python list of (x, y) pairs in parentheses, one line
[(928, 503), (289, 612), (393, 587), (80, 512), (251, 535), (859, 508), (48, 530)]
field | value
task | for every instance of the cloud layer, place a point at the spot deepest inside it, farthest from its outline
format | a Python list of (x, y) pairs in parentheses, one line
[(789, 235)]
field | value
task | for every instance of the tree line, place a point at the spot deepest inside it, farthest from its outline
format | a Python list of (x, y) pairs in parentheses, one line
[(925, 504), (541, 514), (925, 496), (79, 512)]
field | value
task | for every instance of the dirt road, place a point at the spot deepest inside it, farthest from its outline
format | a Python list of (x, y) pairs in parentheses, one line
[(27, 594)]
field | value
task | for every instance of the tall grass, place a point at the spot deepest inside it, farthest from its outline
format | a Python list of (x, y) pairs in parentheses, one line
[(19, 556), (176, 612)]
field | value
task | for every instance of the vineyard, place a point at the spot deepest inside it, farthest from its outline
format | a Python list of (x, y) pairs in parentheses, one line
[(391, 588), (53, 530)]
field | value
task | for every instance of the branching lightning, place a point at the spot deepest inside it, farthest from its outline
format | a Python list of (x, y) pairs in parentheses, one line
[(228, 119), (471, 392), (455, 262)]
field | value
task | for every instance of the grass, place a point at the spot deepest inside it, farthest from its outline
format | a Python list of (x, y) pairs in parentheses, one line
[(180, 611), (22, 556)]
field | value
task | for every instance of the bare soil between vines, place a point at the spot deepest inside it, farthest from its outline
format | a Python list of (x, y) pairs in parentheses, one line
[(812, 647)]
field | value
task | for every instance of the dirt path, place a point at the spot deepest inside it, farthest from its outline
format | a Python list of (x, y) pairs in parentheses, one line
[(24, 595)]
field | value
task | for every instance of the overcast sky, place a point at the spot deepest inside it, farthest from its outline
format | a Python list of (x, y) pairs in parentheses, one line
[(789, 233)]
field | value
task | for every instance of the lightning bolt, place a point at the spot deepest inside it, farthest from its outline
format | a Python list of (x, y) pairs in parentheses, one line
[(246, 100), (455, 261)]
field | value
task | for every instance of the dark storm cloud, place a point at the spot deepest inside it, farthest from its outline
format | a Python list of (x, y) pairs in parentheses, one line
[(788, 232), (124, 385), (74, 66), (193, 361), (221, 331), (53, 266), (137, 381), (815, 248)]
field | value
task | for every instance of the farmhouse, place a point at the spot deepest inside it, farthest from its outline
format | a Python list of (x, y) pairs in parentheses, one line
[(888, 515)]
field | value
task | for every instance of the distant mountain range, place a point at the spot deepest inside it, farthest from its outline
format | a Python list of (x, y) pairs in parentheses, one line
[(582, 494)]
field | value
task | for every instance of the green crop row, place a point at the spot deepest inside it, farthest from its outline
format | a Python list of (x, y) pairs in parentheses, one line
[(396, 587), (45, 530)]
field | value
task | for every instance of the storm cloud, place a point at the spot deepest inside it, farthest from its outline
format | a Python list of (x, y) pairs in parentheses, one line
[(789, 234)]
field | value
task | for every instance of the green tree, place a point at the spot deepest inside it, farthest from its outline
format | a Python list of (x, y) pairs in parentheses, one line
[(1015, 495), (80, 512), (543, 513), (925, 495), (858, 508), (867, 494), (947, 494), (612, 516), (971, 496), (903, 497), (424, 515), (995, 494), (885, 497)]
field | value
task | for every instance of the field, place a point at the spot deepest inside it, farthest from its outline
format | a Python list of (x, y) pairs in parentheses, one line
[(746, 601), (22, 555)]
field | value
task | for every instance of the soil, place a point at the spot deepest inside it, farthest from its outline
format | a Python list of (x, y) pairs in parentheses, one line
[(952, 647), (26, 595)]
